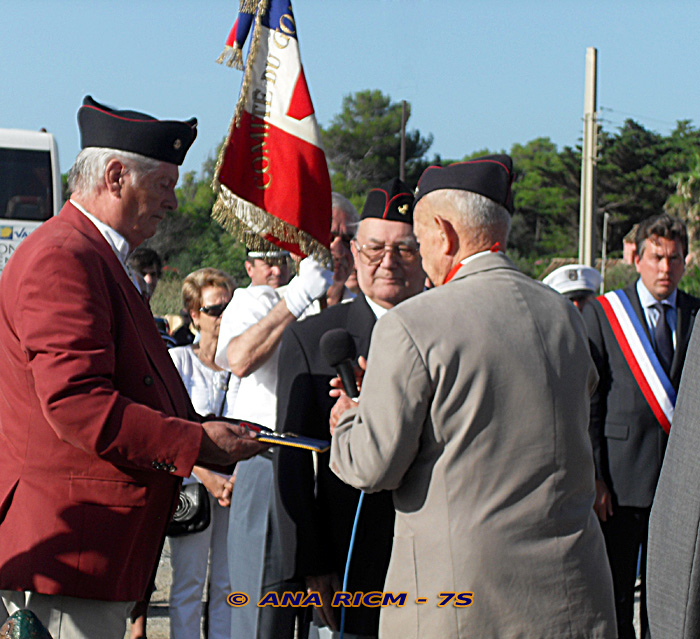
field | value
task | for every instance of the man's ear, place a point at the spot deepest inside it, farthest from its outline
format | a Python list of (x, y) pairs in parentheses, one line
[(114, 177), (248, 268), (448, 236)]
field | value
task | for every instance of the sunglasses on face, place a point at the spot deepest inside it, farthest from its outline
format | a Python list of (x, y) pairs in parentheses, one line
[(215, 310)]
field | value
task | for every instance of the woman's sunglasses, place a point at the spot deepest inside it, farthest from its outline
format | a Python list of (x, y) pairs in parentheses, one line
[(215, 310)]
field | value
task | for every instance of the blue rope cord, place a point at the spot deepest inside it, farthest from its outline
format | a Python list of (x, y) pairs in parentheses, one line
[(347, 563)]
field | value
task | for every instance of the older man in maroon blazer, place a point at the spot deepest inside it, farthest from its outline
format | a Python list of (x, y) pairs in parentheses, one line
[(96, 428)]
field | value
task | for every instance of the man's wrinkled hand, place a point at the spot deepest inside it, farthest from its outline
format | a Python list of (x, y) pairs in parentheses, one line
[(344, 402), (224, 444), (337, 385)]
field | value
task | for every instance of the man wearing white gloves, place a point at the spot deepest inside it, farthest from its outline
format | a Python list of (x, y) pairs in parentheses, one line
[(249, 338)]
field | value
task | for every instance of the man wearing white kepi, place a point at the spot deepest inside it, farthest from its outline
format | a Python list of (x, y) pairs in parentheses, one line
[(577, 282), (249, 338)]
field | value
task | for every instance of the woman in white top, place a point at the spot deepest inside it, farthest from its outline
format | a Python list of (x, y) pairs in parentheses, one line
[(205, 294)]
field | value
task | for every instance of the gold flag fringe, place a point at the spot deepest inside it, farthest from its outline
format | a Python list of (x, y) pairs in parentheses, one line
[(231, 57), (248, 6), (250, 224)]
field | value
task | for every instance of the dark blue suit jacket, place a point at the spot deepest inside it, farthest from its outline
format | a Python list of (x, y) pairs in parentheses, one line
[(628, 442), (323, 508)]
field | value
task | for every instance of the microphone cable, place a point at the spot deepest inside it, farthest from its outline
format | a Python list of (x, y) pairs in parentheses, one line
[(347, 563)]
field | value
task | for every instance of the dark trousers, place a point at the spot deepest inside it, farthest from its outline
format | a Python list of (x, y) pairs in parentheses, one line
[(625, 533), (287, 621)]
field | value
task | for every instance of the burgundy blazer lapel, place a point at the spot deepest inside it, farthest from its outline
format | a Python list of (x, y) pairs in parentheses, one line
[(153, 345)]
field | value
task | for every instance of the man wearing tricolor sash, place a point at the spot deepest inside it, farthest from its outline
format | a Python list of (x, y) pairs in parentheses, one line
[(638, 338)]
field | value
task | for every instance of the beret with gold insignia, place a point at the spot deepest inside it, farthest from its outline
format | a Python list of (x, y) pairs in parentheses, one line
[(392, 200)]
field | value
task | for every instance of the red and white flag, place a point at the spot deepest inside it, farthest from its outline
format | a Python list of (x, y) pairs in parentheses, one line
[(272, 177)]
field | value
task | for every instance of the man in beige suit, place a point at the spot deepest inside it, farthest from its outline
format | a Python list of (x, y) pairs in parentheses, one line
[(474, 411)]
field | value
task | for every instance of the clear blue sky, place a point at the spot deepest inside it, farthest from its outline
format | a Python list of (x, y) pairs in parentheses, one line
[(483, 74)]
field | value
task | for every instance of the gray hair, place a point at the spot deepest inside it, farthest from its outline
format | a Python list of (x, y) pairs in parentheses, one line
[(483, 219), (339, 201), (89, 168)]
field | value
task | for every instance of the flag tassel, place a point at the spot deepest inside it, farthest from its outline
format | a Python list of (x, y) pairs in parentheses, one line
[(231, 57)]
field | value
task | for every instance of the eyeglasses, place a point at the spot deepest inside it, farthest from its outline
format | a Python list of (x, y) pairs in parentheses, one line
[(215, 310), (374, 253)]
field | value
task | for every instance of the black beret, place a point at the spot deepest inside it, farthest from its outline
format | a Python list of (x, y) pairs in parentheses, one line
[(164, 140), (393, 200), (490, 176)]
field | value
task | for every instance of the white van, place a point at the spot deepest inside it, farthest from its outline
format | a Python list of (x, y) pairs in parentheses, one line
[(30, 185)]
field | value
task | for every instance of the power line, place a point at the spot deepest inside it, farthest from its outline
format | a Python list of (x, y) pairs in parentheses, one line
[(638, 115)]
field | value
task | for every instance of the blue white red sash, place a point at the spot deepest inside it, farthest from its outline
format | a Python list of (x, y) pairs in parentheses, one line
[(639, 353)]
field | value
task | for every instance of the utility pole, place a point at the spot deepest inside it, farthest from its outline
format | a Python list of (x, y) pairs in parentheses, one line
[(604, 252), (586, 246), (402, 159)]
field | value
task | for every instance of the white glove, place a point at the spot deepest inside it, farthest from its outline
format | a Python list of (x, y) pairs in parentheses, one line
[(312, 282)]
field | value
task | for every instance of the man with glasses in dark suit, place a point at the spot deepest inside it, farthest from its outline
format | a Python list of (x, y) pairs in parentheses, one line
[(320, 506)]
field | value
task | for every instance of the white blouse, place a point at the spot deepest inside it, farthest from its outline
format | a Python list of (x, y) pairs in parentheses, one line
[(205, 386)]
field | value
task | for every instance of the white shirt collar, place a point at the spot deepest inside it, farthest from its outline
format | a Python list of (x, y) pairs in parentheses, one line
[(468, 259), (116, 240), (376, 309)]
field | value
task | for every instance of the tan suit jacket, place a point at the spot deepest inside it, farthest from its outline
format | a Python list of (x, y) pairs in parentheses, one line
[(474, 411)]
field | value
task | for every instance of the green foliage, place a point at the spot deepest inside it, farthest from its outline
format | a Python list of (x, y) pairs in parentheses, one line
[(363, 144), (619, 275), (691, 281), (638, 173), (546, 221), (65, 191), (635, 170), (167, 300), (189, 239), (685, 202)]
